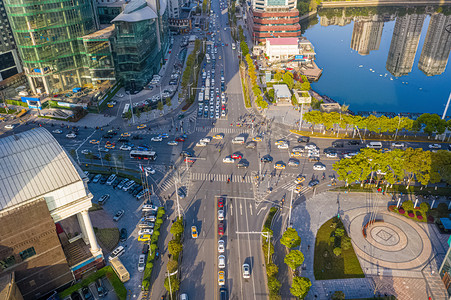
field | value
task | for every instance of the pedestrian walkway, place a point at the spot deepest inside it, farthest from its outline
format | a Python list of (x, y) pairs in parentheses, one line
[(222, 130), (221, 177)]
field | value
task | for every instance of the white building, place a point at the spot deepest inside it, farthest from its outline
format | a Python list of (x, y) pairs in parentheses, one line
[(287, 49), (175, 7)]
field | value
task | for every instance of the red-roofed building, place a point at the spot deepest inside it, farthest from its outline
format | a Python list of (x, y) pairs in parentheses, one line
[(273, 19)]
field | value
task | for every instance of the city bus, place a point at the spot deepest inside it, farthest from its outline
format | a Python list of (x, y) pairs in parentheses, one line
[(126, 109), (207, 57), (119, 269), (147, 155)]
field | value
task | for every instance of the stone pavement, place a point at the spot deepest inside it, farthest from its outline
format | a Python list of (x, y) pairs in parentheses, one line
[(416, 279)]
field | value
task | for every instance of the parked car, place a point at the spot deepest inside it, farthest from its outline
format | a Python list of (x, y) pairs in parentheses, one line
[(86, 293), (221, 247), (103, 199), (220, 228), (97, 178), (123, 235), (100, 287), (221, 261), (141, 262), (118, 215)]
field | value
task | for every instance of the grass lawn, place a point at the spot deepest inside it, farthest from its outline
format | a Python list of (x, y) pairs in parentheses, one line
[(326, 264), (108, 237)]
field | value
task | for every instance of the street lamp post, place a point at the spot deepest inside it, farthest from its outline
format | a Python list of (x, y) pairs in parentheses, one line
[(397, 128)]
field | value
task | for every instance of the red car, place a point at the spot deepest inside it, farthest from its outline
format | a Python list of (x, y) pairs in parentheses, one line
[(223, 107), (221, 229), (236, 156), (189, 159), (220, 202), (180, 139)]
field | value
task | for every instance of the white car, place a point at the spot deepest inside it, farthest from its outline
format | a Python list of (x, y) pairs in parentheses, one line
[(156, 139), (331, 155), (141, 262), (228, 159), (435, 146), (311, 146), (149, 207), (319, 167), (350, 155), (173, 143), (206, 140), (9, 126), (125, 148), (145, 231), (149, 170), (201, 144), (220, 214), (85, 151), (221, 261), (221, 246), (397, 145), (71, 135), (57, 131), (246, 271), (283, 146)]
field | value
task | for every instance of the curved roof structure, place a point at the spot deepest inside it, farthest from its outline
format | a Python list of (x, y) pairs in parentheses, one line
[(32, 164), (139, 10)]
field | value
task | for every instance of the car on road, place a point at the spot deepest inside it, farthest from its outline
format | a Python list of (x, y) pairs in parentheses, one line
[(303, 139), (236, 155), (300, 179), (228, 159), (218, 136), (103, 199), (221, 246), (149, 170), (194, 233), (172, 143), (123, 235), (246, 271), (189, 159), (283, 146), (205, 140), (280, 166), (311, 146), (181, 193), (94, 142), (96, 178), (223, 291), (110, 145), (221, 278), (313, 183), (293, 162), (156, 139), (164, 135), (319, 167), (69, 135), (397, 145), (267, 158), (180, 139), (186, 153), (183, 296), (298, 188), (332, 154), (141, 262), (58, 131), (435, 146), (125, 134), (9, 126), (257, 138), (86, 151), (243, 164), (125, 147), (251, 145), (142, 126), (221, 215), (221, 261), (144, 238), (118, 215), (201, 144), (221, 202), (280, 142)]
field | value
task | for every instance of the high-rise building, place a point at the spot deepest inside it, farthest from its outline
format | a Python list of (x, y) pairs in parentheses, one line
[(366, 35), (141, 39), (437, 46), (404, 44), (48, 37), (273, 18), (174, 8), (107, 10), (9, 59)]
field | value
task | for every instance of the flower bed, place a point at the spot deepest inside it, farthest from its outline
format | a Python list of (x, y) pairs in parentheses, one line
[(416, 214)]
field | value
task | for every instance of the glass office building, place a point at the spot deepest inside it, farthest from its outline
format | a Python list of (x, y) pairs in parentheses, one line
[(141, 40), (49, 35)]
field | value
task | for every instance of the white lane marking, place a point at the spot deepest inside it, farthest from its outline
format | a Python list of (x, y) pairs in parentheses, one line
[(250, 252), (231, 209), (239, 252), (250, 208), (262, 208), (241, 209)]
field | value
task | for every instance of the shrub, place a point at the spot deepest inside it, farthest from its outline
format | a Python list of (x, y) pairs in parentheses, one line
[(339, 232), (431, 219), (420, 217), (274, 286), (424, 207), (401, 211), (407, 205), (411, 214), (346, 243), (392, 208), (332, 239), (172, 265), (337, 251), (338, 295)]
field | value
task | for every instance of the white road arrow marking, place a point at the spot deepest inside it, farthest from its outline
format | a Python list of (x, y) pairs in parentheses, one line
[(241, 209), (231, 209), (263, 208)]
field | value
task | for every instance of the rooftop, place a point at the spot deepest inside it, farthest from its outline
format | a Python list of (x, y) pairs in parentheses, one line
[(283, 41), (281, 91), (32, 164), (100, 34)]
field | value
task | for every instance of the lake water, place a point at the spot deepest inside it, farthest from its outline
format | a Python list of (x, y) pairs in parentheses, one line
[(378, 62)]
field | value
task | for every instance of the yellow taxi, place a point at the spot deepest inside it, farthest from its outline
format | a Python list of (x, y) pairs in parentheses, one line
[(110, 104), (220, 57), (296, 153), (257, 139), (94, 142), (298, 189), (194, 234), (280, 142), (221, 278), (125, 134), (110, 145), (218, 136), (142, 126), (144, 238), (299, 179), (280, 166)]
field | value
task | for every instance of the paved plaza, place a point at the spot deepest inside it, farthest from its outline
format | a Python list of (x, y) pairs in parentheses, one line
[(398, 256)]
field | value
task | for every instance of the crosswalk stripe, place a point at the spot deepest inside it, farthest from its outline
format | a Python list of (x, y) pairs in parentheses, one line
[(221, 177)]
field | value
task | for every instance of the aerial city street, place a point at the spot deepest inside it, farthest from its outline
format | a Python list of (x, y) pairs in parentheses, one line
[(215, 149)]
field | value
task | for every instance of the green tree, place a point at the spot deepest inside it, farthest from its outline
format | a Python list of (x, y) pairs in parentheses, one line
[(339, 232), (300, 287), (172, 265), (128, 115), (175, 284), (346, 243), (138, 113), (337, 251), (271, 269), (177, 228), (160, 105), (297, 85), (288, 79), (175, 247), (294, 259), (338, 295), (168, 102), (294, 101), (290, 238), (278, 76), (274, 285), (244, 48), (270, 94), (72, 152), (305, 86)]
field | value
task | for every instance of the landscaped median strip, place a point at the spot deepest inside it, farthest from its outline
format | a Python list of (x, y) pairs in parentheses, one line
[(153, 247), (271, 269), (107, 271)]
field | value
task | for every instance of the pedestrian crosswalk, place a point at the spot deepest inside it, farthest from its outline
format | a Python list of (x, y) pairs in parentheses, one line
[(167, 184), (221, 177), (222, 130)]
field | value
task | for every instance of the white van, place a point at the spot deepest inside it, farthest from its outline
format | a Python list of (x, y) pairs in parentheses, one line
[(111, 179), (116, 252), (238, 140), (374, 145)]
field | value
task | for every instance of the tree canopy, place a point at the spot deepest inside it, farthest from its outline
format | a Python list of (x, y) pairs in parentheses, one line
[(300, 287), (290, 238), (294, 259)]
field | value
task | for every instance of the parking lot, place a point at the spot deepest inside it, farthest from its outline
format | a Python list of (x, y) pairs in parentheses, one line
[(92, 289)]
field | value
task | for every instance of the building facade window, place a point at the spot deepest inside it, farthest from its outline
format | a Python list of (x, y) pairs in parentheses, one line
[(27, 253), (7, 262)]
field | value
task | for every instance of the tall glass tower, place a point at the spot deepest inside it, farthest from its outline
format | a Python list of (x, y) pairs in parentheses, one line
[(49, 38)]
